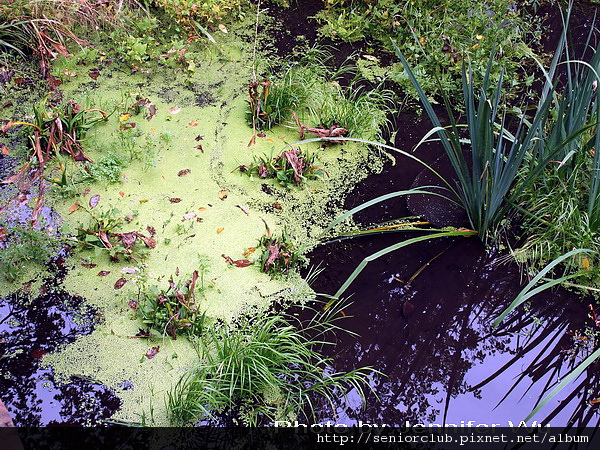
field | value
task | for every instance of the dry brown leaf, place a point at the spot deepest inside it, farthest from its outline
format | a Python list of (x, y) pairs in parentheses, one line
[(174, 110), (73, 208), (223, 194), (193, 123), (94, 201), (220, 230)]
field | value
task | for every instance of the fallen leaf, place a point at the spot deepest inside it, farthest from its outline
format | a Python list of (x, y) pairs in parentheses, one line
[(199, 147), (193, 123), (122, 194), (261, 135), (223, 194), (277, 206), (143, 200), (88, 265), (175, 200), (596, 400), (120, 283), (199, 138), (133, 305), (248, 251), (151, 353), (129, 270), (148, 241), (103, 273), (124, 117), (5, 150), (94, 73), (237, 263), (174, 110), (86, 192), (220, 230), (223, 28), (151, 111), (243, 209), (73, 208), (128, 126), (189, 216), (94, 199), (4, 128), (202, 208), (151, 230), (183, 172)]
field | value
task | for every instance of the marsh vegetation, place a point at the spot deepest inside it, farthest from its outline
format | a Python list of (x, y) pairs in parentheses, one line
[(190, 165)]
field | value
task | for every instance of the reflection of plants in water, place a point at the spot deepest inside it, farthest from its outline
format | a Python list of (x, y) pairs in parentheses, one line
[(31, 326)]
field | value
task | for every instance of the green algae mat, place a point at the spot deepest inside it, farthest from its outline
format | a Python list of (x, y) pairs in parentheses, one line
[(167, 166)]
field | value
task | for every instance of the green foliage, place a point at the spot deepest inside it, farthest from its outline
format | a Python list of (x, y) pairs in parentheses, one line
[(292, 167), (447, 31), (188, 14), (102, 236), (310, 90), (279, 254), (174, 310), (22, 246), (108, 168), (261, 370)]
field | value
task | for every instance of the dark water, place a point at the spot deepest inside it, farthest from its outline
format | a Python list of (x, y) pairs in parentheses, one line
[(31, 325)]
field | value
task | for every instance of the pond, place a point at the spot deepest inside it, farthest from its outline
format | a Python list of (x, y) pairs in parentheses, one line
[(161, 233)]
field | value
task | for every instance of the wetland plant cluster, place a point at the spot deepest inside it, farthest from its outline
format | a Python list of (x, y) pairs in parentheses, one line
[(529, 171)]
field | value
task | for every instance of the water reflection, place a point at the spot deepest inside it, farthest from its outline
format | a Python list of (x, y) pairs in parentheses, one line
[(433, 340), (31, 326)]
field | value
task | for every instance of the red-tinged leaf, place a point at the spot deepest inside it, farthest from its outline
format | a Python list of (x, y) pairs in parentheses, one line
[(120, 283), (73, 208), (199, 138), (128, 125), (152, 352), (122, 194), (242, 263), (88, 265), (193, 123), (175, 200), (148, 241), (2, 234), (94, 73), (223, 194), (133, 305), (151, 230), (183, 173), (174, 110), (151, 111), (128, 239), (94, 201), (86, 192), (103, 273), (4, 128), (5, 150), (199, 147), (249, 251), (277, 206), (261, 135)]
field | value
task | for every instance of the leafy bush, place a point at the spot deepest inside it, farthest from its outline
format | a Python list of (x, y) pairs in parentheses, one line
[(188, 14)]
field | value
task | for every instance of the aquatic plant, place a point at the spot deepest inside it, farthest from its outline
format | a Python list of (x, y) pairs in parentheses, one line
[(279, 253), (102, 236), (261, 370), (22, 246), (496, 154), (291, 167), (174, 310), (310, 92)]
